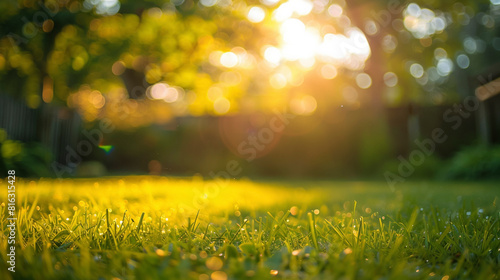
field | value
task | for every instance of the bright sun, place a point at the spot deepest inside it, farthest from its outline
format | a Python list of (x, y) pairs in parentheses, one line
[(306, 44)]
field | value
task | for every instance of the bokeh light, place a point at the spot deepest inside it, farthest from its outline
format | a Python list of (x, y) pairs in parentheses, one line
[(329, 71), (256, 14), (304, 105), (390, 79), (363, 80), (221, 105), (229, 59)]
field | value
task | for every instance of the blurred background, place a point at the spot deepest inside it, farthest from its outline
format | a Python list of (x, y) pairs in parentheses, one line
[(269, 88)]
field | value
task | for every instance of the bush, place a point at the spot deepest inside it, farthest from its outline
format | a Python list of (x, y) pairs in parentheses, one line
[(474, 163), (427, 170), (27, 159)]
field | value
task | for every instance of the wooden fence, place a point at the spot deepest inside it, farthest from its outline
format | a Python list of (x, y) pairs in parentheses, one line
[(56, 128)]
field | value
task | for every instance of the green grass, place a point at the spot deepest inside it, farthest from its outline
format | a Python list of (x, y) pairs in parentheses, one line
[(159, 228)]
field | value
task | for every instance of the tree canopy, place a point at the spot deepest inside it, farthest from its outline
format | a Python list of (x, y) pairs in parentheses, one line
[(142, 62)]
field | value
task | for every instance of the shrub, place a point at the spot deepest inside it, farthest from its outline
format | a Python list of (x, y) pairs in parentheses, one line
[(27, 159), (474, 163)]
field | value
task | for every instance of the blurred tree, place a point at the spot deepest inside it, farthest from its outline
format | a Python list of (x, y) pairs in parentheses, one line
[(219, 56)]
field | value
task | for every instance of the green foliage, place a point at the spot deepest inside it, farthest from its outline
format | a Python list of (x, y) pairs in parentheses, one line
[(374, 147), (181, 43), (28, 159), (474, 163)]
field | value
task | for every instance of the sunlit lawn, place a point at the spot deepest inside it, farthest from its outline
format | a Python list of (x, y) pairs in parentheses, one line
[(159, 228)]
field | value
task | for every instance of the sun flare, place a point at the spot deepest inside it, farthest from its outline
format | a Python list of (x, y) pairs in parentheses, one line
[(305, 42)]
